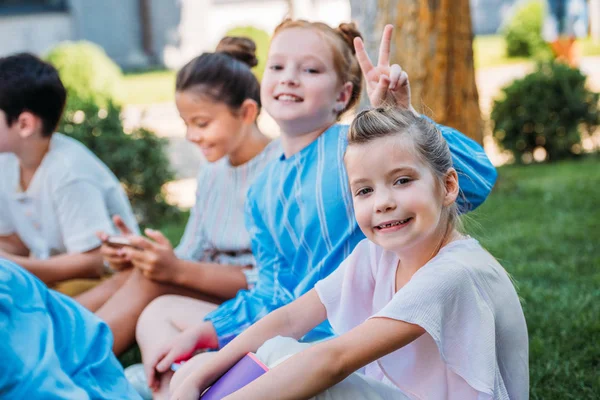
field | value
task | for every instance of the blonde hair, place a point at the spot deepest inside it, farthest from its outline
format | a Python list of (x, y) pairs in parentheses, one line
[(429, 144), (341, 41)]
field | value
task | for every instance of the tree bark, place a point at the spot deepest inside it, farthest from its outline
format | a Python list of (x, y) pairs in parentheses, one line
[(433, 42)]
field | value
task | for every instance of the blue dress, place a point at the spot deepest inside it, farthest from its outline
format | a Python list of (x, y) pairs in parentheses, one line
[(51, 347)]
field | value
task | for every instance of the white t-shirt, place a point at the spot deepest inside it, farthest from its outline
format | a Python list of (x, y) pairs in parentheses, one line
[(71, 196), (475, 345)]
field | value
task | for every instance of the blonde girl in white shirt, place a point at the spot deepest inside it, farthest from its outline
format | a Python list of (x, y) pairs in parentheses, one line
[(422, 311)]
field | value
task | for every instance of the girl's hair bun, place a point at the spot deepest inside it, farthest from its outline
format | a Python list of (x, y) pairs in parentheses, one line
[(349, 31), (241, 48)]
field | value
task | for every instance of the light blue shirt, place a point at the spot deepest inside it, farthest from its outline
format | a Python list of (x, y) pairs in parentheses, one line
[(301, 222), (51, 347)]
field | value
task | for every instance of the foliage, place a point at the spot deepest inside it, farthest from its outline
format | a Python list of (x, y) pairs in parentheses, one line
[(138, 159), (523, 32), (262, 40), (87, 72), (545, 109)]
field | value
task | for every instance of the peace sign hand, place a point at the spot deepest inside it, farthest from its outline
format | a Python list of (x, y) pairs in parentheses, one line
[(385, 83)]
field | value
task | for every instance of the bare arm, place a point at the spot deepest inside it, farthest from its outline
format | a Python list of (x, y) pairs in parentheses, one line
[(219, 280), (316, 369), (64, 266), (12, 244), (156, 258), (294, 320)]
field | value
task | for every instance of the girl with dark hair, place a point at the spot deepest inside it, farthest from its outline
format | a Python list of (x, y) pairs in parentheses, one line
[(218, 97)]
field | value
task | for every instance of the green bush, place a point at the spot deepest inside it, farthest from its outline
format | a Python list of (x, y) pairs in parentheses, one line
[(523, 33), (87, 72), (547, 109), (262, 40), (138, 159)]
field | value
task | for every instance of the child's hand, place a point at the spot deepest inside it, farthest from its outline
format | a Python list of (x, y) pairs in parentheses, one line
[(385, 83), (155, 258), (114, 256), (181, 348)]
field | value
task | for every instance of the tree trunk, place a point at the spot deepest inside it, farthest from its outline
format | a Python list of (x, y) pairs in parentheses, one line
[(433, 42)]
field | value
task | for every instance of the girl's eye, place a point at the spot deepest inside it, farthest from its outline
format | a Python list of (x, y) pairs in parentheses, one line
[(364, 191), (202, 124), (311, 70), (276, 67), (402, 181)]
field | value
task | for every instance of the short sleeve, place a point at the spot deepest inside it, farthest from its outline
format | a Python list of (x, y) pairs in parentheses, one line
[(447, 302), (343, 293), (6, 224), (81, 212)]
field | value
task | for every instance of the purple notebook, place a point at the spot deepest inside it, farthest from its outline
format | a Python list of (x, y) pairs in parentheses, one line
[(245, 371)]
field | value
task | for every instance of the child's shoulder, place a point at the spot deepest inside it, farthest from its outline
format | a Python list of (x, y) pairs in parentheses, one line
[(68, 159), (462, 259)]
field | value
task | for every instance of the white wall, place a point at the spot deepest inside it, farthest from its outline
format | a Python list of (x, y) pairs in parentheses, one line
[(35, 33)]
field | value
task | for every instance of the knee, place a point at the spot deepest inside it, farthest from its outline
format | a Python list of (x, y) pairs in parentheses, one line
[(155, 312)]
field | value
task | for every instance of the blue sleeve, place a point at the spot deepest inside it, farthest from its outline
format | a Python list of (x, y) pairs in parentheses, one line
[(236, 315), (476, 174)]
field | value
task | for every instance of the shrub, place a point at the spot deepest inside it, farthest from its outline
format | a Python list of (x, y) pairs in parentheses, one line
[(87, 72), (523, 33), (137, 159), (545, 109), (262, 40)]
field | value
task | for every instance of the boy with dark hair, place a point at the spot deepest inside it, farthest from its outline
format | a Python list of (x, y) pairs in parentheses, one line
[(53, 348), (54, 193)]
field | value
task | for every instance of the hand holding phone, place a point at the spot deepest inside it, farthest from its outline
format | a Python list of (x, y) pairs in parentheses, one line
[(120, 242)]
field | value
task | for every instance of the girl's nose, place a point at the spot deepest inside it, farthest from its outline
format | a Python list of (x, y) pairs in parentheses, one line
[(193, 136), (289, 79), (385, 203)]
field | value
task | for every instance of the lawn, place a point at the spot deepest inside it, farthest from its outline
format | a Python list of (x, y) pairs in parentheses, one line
[(148, 87), (490, 51), (542, 223)]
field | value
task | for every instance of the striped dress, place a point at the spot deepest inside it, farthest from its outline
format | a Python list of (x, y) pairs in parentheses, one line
[(300, 218), (215, 231)]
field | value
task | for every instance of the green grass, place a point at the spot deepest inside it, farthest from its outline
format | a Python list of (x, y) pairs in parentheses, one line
[(541, 222), (490, 51), (148, 87)]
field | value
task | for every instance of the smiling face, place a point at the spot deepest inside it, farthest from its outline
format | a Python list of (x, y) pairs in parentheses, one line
[(300, 88), (210, 125), (397, 199)]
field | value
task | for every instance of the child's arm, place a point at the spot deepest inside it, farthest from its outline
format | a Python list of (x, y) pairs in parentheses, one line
[(155, 257), (293, 320), (316, 369), (12, 244), (64, 266)]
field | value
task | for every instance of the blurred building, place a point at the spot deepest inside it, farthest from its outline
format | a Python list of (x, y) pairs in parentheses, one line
[(138, 33)]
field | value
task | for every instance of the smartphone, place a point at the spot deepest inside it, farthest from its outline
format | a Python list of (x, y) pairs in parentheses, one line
[(120, 241)]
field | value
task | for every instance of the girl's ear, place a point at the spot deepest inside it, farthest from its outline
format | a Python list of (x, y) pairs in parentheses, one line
[(249, 111), (451, 187), (343, 97), (28, 124)]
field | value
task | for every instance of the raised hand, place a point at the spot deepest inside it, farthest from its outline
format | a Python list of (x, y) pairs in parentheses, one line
[(153, 256), (385, 83)]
